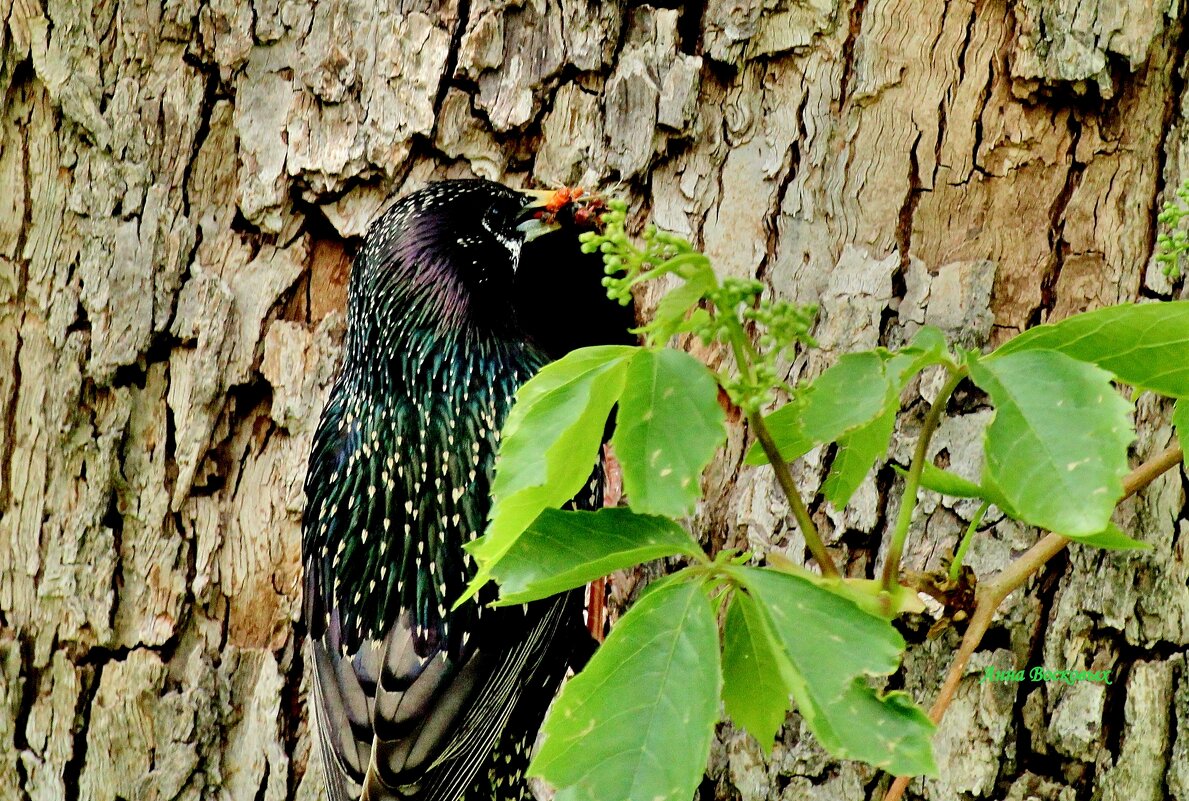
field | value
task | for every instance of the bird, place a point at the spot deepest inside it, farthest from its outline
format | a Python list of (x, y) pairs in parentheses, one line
[(451, 307)]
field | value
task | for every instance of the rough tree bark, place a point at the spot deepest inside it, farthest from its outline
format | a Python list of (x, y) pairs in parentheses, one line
[(181, 183)]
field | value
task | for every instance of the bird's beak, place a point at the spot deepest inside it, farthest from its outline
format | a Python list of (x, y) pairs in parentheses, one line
[(533, 225), (540, 197)]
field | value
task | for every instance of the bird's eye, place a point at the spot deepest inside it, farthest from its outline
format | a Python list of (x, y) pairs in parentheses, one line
[(500, 221), (498, 217)]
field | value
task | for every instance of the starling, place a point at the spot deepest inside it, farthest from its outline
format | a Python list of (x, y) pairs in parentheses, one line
[(449, 312)]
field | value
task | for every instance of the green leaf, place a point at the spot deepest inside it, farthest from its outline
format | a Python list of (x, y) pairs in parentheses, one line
[(843, 398), (1113, 539), (859, 449), (1057, 447), (930, 343), (668, 426), (754, 691), (889, 731), (927, 348), (1146, 345), (784, 425), (827, 647), (947, 483), (638, 721), (859, 393), (857, 453), (566, 405), (562, 550), (1180, 421), (828, 638), (670, 313)]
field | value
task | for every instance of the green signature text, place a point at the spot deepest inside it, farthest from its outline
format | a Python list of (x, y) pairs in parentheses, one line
[(1040, 674)]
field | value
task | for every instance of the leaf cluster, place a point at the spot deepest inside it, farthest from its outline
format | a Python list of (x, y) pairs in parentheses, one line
[(638, 721)]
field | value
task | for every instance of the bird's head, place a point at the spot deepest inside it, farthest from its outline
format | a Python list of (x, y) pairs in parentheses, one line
[(476, 252), (465, 228), (444, 255)]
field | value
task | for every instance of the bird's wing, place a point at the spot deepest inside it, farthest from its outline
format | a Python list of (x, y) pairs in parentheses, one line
[(345, 752), (455, 731), (394, 725)]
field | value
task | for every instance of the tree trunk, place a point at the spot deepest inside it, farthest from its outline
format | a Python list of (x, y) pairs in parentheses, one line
[(181, 184)]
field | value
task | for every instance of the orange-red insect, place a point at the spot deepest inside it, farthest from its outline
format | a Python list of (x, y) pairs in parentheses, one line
[(562, 198), (587, 215), (585, 210)]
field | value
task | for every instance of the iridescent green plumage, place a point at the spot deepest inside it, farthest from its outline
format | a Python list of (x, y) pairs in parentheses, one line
[(407, 468)]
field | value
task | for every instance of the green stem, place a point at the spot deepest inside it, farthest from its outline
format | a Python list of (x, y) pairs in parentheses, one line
[(741, 347), (678, 261), (664, 268), (785, 478), (745, 355), (912, 484), (740, 337), (967, 538)]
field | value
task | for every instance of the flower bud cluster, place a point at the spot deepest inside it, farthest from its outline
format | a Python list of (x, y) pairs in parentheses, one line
[(728, 311), (1173, 241)]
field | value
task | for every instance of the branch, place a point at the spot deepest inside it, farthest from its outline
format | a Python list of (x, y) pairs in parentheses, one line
[(991, 594)]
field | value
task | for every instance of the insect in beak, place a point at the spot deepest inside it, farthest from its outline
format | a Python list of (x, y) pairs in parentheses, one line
[(538, 218), (550, 207)]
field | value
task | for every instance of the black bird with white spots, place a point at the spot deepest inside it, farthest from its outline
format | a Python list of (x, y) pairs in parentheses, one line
[(413, 700)]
